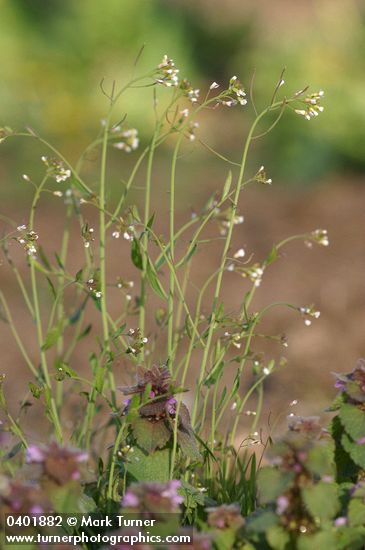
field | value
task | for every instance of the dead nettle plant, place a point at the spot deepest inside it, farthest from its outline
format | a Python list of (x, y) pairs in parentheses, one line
[(156, 437)]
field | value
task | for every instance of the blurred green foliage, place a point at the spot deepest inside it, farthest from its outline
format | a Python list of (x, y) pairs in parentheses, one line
[(54, 53)]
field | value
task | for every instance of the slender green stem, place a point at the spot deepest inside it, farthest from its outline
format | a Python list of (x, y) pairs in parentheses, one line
[(16, 335), (227, 245), (60, 303), (38, 319), (102, 250), (114, 461), (145, 259), (170, 307)]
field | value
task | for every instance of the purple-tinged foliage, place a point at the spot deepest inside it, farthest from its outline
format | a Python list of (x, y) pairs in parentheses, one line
[(154, 497), (60, 464), (353, 383)]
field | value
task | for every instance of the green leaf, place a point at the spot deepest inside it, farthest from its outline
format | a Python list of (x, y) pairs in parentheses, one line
[(150, 435), (227, 185), (278, 538), (321, 459), (65, 499), (188, 444), (224, 539), (53, 335), (43, 258), (356, 512), (99, 379), (59, 262), (136, 254), (79, 275), (51, 286), (322, 500), (272, 483), (350, 538), (154, 281), (353, 420), (261, 521), (321, 540), (214, 374), (85, 332), (150, 221), (356, 451), (272, 256), (144, 466)]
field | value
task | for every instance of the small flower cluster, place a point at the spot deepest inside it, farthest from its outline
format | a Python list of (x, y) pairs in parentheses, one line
[(312, 105), (226, 516), (159, 409), (308, 426), (129, 140), (125, 285), (56, 169), (318, 236), (123, 229), (191, 93), (60, 464), (307, 312), (27, 239), (136, 341), (87, 234), (191, 130), (167, 73), (153, 497), (261, 177), (235, 94), (234, 339), (254, 273), (224, 219), (93, 286)]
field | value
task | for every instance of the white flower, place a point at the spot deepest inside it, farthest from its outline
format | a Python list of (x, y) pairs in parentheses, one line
[(240, 253), (130, 140), (320, 236), (312, 106), (167, 73), (214, 86)]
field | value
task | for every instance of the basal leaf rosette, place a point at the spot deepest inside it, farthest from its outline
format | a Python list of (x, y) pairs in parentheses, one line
[(152, 419)]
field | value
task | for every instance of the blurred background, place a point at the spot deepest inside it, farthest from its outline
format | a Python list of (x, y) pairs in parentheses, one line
[(53, 56)]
